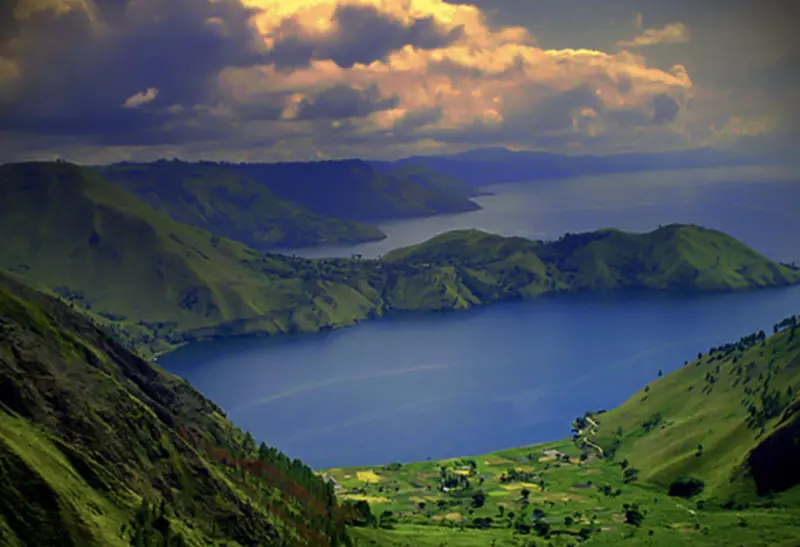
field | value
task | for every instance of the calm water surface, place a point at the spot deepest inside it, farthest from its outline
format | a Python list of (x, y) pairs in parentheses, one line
[(509, 374)]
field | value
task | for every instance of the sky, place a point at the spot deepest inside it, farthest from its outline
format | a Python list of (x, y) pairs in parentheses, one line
[(96, 81)]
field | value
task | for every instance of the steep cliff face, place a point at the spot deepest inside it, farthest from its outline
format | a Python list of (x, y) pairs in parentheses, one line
[(773, 464), (93, 440)]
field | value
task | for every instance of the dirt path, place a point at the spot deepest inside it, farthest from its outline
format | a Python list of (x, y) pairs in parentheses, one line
[(592, 431)]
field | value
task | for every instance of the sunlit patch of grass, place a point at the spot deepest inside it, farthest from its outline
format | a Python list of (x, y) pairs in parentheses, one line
[(368, 476)]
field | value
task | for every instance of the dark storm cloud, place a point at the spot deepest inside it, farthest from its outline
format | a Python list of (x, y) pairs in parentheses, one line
[(78, 70), (555, 113), (624, 83), (361, 34), (665, 109), (416, 119), (345, 102)]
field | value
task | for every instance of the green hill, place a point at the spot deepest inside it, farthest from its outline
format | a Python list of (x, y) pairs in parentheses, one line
[(68, 230), (100, 448), (706, 455), (729, 418), (674, 257), (160, 283), (219, 199)]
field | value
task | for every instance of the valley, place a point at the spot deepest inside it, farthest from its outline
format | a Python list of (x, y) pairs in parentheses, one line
[(98, 279)]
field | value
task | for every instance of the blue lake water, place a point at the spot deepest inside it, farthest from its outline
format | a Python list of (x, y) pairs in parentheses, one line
[(510, 374)]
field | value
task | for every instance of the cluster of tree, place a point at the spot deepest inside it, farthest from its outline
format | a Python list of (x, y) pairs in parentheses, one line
[(652, 422), (633, 515), (513, 475), (786, 323), (150, 527), (744, 343), (629, 473), (608, 491), (686, 487), (452, 481), (322, 522)]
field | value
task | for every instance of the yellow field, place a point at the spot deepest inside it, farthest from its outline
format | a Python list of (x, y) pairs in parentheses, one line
[(368, 476), (417, 499), (520, 485), (368, 499), (448, 516), (463, 472)]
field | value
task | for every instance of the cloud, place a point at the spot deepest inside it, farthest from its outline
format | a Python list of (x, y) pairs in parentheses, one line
[(665, 109), (673, 33), (143, 97), (296, 79), (357, 34), (344, 102)]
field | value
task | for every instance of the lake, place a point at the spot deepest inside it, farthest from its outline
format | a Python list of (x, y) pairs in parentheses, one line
[(510, 374)]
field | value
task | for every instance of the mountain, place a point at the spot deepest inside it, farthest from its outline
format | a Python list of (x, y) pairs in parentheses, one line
[(674, 257), (159, 283), (101, 448), (499, 165), (355, 190), (219, 199), (422, 175), (96, 245), (705, 455)]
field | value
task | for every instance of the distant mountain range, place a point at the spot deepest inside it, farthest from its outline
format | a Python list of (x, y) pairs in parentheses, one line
[(290, 205), (499, 165)]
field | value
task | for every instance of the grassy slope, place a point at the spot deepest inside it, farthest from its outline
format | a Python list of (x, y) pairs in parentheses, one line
[(707, 403), (217, 198), (714, 418), (67, 228), (74, 468), (162, 282)]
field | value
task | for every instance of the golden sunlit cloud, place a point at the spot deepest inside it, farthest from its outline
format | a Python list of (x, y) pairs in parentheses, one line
[(299, 78), (485, 75), (143, 97)]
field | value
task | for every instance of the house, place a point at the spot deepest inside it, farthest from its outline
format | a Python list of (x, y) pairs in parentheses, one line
[(336, 485)]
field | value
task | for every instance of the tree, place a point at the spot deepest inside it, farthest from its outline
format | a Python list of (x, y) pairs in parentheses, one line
[(478, 499), (541, 527), (633, 515), (660, 373), (630, 475), (686, 487)]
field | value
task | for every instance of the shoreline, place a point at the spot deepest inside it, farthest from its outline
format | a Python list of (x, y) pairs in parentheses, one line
[(406, 314)]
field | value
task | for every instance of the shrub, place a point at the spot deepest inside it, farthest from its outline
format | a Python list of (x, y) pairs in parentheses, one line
[(686, 487)]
